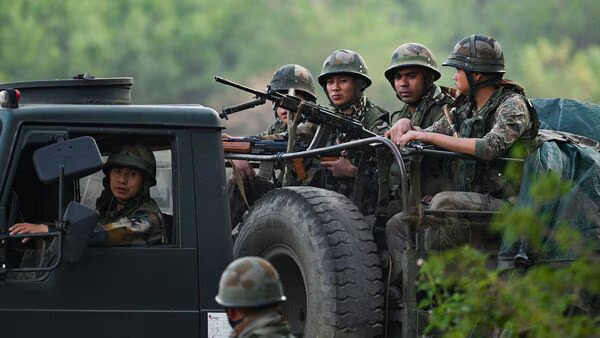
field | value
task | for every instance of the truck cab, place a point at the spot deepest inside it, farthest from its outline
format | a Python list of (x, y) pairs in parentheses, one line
[(146, 291)]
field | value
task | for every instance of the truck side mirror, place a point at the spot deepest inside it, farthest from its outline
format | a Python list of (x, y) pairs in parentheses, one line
[(75, 158), (80, 220)]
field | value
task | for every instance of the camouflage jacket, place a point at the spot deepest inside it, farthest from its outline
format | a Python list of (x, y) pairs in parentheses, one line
[(506, 117), (278, 129), (139, 222), (428, 110), (372, 117), (268, 323), (369, 186)]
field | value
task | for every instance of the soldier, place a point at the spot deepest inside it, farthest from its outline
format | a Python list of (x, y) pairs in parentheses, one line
[(129, 215), (289, 79), (412, 72), (344, 78), (490, 116), (250, 291)]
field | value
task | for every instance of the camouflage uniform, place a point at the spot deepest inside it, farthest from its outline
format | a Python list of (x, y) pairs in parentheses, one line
[(252, 285), (285, 79), (276, 131), (372, 117), (506, 117), (139, 222), (427, 111), (268, 323)]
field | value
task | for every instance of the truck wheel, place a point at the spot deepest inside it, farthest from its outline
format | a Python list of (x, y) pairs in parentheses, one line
[(326, 257)]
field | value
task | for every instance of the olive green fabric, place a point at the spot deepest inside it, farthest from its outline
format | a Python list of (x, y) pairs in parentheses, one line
[(249, 282), (294, 77), (139, 220), (477, 53), (412, 54), (268, 323), (374, 118), (427, 111), (138, 223), (434, 177), (506, 118)]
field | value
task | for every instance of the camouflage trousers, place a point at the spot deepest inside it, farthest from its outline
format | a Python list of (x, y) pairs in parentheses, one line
[(254, 189), (451, 234)]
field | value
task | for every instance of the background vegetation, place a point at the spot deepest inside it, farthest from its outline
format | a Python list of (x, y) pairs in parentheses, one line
[(465, 298), (174, 48)]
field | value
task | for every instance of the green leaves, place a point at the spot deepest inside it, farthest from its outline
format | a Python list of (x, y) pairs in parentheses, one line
[(547, 301)]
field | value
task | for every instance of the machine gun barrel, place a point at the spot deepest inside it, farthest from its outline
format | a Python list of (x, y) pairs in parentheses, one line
[(242, 106), (239, 86), (309, 110)]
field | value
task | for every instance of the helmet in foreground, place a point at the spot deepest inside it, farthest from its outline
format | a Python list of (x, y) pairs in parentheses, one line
[(250, 282)]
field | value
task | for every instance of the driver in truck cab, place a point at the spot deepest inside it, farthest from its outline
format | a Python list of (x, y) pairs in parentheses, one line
[(129, 216)]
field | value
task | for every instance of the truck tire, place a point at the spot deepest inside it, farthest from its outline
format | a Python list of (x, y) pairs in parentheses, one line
[(326, 257)]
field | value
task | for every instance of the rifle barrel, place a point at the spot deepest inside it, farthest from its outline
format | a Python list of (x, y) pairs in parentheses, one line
[(238, 86)]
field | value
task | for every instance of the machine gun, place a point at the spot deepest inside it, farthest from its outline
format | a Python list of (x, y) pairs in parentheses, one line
[(312, 112)]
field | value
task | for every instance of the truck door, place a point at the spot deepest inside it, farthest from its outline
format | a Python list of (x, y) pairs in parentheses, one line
[(145, 291)]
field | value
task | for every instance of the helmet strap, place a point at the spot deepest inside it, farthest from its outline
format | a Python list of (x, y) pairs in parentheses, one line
[(236, 322), (472, 85)]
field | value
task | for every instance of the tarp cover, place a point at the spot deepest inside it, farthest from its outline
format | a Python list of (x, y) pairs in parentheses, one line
[(579, 164), (577, 117)]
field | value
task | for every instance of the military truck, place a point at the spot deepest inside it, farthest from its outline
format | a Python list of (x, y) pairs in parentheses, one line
[(328, 246), (54, 285)]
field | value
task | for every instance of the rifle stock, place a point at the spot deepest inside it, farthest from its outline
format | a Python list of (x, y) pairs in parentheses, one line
[(237, 147), (258, 146)]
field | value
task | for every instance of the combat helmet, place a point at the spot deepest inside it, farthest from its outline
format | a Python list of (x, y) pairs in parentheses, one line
[(412, 54), (294, 77), (249, 282), (344, 61), (136, 156), (477, 53)]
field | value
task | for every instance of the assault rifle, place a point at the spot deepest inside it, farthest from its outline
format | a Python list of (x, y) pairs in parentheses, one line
[(258, 146), (310, 111)]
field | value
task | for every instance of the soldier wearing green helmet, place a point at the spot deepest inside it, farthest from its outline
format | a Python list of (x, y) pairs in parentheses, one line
[(289, 79), (412, 73), (250, 291), (344, 78), (129, 215), (488, 118)]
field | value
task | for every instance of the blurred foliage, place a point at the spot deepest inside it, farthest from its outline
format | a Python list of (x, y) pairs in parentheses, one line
[(465, 298), (173, 49)]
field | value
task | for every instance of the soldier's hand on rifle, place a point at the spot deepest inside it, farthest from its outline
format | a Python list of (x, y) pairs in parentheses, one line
[(411, 135), (398, 129), (245, 169), (341, 167)]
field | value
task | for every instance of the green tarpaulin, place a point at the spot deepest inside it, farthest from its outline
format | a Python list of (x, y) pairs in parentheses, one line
[(575, 162)]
